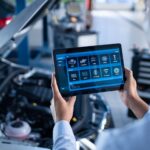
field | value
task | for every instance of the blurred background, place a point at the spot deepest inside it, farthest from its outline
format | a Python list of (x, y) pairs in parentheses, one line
[(66, 24)]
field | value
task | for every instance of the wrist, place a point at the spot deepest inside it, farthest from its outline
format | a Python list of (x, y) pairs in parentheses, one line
[(63, 119), (133, 98), (138, 106)]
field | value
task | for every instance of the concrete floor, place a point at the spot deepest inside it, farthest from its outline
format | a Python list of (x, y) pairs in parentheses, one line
[(125, 28)]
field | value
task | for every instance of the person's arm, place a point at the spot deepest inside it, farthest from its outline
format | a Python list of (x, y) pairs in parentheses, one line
[(131, 98), (116, 139), (138, 106), (62, 111), (63, 137)]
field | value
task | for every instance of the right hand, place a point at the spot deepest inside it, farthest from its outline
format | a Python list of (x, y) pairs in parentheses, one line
[(129, 91), (131, 97)]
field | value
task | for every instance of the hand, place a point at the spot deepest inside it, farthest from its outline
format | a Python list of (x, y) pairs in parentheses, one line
[(130, 88), (61, 109), (131, 97)]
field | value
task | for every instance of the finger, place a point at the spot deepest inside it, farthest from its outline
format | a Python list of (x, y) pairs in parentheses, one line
[(127, 69), (52, 79), (52, 104), (52, 107), (56, 92), (72, 100), (128, 73)]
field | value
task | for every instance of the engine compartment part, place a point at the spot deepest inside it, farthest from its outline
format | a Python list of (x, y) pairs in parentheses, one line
[(17, 129)]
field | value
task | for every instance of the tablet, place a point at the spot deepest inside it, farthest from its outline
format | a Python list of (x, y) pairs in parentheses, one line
[(91, 69)]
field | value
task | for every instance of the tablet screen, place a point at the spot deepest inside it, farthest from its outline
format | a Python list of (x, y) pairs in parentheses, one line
[(89, 69)]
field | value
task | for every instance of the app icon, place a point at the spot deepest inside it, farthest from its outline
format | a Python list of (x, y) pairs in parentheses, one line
[(95, 73), (94, 60), (83, 61), (115, 58), (85, 74), (72, 62), (106, 72), (104, 59), (116, 71), (74, 76)]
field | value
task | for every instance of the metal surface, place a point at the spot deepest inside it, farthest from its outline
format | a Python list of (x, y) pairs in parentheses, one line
[(26, 18)]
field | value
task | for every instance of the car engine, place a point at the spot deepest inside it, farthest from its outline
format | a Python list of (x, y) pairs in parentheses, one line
[(25, 116)]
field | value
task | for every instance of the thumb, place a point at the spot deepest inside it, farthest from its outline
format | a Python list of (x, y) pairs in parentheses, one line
[(128, 74), (71, 101)]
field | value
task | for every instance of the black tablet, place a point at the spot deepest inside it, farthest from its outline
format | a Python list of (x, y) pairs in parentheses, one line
[(91, 69)]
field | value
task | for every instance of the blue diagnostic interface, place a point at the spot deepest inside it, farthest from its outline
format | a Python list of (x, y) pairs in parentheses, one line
[(89, 69)]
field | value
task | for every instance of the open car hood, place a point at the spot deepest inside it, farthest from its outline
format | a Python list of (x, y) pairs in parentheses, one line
[(13, 33)]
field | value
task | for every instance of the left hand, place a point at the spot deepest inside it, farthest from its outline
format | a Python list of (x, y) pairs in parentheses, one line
[(61, 108)]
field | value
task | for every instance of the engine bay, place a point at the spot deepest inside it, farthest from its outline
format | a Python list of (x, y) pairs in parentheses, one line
[(25, 115)]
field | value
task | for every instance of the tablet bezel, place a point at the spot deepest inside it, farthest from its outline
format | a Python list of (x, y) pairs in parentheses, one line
[(86, 49)]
